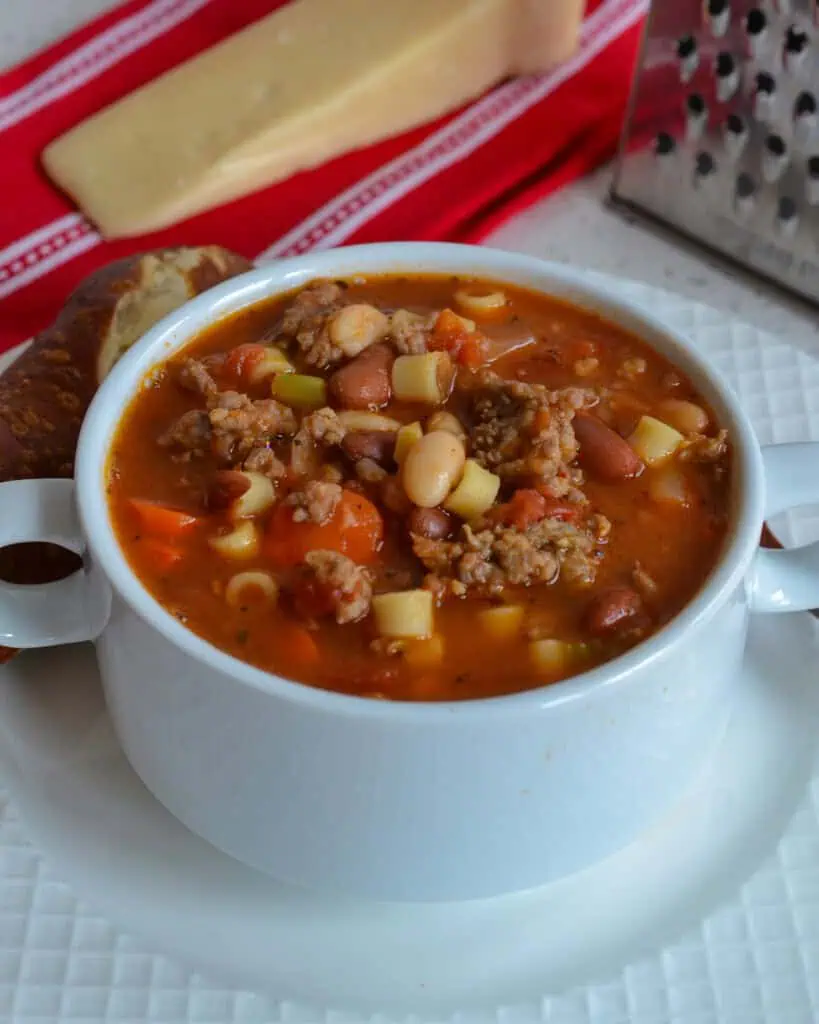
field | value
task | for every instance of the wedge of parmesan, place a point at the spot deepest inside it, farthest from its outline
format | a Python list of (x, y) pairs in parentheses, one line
[(314, 79)]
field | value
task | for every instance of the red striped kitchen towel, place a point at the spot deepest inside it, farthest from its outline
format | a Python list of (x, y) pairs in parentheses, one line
[(455, 179)]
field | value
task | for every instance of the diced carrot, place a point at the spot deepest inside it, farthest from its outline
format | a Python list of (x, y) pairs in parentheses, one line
[(543, 419), (296, 644), (449, 333), (474, 351), (163, 556), (565, 511), (356, 530), (161, 521), (243, 358)]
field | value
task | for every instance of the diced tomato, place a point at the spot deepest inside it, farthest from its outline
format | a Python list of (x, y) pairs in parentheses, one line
[(565, 511), (243, 358), (525, 507), (161, 521), (356, 530), (528, 506)]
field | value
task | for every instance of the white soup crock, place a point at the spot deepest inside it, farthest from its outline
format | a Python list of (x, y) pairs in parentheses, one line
[(394, 801)]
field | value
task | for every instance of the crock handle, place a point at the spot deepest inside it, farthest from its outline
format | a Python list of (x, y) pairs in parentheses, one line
[(787, 580), (44, 615)]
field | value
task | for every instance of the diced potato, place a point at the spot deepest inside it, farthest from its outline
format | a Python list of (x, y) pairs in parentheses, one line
[(667, 484), (557, 656), (255, 583), (423, 378), (273, 362), (354, 419), (475, 493), (408, 436), (501, 623), (407, 613), (299, 390), (258, 498), (654, 441), (241, 542), (426, 653)]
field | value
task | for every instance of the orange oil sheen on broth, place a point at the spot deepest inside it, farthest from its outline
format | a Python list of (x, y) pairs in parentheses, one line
[(674, 546)]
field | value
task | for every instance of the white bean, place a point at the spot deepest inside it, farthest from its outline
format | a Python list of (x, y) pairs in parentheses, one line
[(432, 467), (444, 420), (356, 327)]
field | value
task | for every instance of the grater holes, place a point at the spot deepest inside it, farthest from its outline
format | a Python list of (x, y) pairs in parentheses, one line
[(756, 21), (705, 165), (795, 48), (735, 135), (796, 40), (745, 186), (718, 14), (664, 144), (787, 217), (805, 105), (774, 157), (688, 56), (804, 116), (744, 194), (812, 180), (764, 95), (725, 68), (696, 115)]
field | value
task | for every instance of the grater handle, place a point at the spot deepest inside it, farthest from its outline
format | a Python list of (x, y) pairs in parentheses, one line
[(787, 580)]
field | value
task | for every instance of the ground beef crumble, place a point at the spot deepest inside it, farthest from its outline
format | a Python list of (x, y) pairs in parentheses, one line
[(264, 461), (239, 424), (489, 558), (306, 321), (410, 331), (701, 448), (317, 503), (524, 431), (348, 585), (190, 434)]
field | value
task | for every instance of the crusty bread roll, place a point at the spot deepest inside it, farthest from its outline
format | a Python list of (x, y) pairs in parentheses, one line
[(45, 392)]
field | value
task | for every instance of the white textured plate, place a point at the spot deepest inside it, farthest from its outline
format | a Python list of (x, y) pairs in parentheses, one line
[(714, 916)]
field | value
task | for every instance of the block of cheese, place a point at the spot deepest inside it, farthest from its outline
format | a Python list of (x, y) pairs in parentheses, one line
[(314, 79)]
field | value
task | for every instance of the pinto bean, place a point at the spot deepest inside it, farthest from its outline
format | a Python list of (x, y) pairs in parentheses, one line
[(614, 610), (603, 452), (433, 523), (364, 383), (377, 445)]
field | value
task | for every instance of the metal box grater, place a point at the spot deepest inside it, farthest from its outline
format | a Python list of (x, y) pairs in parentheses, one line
[(722, 136)]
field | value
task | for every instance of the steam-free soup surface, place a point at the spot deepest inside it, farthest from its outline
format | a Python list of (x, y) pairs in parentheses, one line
[(420, 488)]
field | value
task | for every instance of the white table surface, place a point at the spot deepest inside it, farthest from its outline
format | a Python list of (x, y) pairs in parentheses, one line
[(574, 226)]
